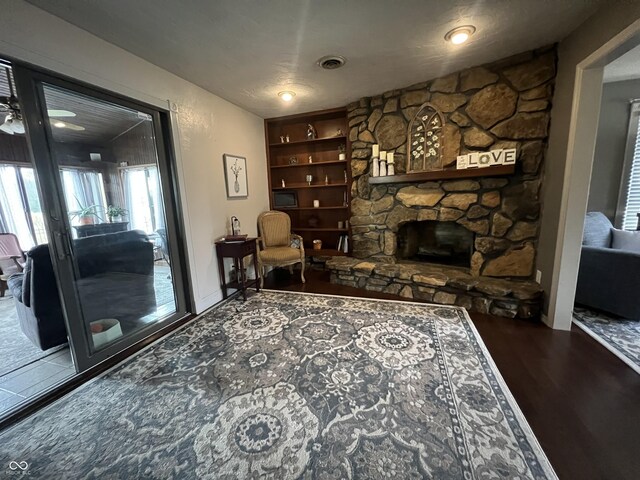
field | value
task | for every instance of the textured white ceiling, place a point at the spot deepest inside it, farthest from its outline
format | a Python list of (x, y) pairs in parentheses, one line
[(626, 67), (246, 51)]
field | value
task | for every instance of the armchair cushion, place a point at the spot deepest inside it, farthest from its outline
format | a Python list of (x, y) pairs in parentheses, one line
[(276, 255)]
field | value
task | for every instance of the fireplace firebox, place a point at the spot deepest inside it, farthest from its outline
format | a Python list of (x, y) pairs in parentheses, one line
[(431, 241)]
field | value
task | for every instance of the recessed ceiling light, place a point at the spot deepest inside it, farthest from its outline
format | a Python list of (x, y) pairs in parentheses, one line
[(59, 124), (287, 96), (460, 35)]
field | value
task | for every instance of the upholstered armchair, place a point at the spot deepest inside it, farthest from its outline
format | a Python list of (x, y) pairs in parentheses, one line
[(277, 246), (12, 259)]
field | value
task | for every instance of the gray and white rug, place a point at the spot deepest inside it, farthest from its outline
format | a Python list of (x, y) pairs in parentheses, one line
[(620, 336), (293, 386), (16, 350)]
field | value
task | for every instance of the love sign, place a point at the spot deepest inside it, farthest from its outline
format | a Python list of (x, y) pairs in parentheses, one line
[(501, 156)]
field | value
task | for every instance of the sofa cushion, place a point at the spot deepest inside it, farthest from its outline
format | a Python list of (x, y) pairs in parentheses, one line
[(626, 240), (597, 230)]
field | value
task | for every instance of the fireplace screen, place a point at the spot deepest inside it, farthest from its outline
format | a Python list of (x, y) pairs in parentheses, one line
[(446, 243)]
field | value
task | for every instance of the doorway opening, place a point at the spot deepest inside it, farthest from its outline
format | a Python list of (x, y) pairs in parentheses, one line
[(87, 203), (606, 302)]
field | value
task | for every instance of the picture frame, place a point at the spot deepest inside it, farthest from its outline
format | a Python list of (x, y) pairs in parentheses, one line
[(235, 176)]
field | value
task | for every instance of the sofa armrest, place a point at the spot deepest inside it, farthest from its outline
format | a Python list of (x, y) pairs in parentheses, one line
[(611, 260), (609, 279)]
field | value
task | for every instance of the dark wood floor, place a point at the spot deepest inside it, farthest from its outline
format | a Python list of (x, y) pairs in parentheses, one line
[(581, 401)]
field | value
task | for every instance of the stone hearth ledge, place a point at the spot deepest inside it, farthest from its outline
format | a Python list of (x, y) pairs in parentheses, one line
[(441, 284)]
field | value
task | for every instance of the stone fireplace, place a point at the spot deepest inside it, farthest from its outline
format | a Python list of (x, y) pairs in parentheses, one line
[(501, 105), (444, 243)]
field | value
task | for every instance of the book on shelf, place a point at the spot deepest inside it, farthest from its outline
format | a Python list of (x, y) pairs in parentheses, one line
[(343, 244)]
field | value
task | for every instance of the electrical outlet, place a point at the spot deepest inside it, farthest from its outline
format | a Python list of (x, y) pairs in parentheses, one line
[(538, 276)]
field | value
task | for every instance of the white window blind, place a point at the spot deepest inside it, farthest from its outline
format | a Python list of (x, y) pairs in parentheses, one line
[(629, 201)]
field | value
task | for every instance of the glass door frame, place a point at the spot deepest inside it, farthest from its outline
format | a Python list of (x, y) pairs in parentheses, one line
[(29, 85)]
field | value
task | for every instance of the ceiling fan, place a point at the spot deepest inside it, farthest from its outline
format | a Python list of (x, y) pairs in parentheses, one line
[(13, 123)]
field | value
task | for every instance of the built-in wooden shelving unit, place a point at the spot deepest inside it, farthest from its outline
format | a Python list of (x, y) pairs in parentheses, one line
[(330, 185)]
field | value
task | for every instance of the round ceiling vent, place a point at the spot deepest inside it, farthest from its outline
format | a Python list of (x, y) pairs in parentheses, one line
[(331, 62)]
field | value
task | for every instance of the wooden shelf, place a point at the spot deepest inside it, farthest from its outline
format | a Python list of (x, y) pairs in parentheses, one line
[(308, 142), (334, 197), (300, 186), (445, 175), (285, 209), (304, 229), (323, 252), (315, 164)]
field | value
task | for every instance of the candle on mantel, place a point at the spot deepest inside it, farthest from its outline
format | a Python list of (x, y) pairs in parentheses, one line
[(383, 155), (375, 150), (390, 158)]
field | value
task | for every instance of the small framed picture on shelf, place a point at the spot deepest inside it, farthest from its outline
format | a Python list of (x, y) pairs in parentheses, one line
[(235, 176)]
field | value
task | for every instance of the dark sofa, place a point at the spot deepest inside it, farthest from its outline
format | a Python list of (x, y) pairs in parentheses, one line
[(114, 279), (608, 278)]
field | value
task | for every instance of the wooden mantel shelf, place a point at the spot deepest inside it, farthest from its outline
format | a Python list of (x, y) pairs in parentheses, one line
[(445, 175)]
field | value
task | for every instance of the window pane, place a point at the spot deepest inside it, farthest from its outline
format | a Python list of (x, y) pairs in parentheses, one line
[(35, 210), (14, 217)]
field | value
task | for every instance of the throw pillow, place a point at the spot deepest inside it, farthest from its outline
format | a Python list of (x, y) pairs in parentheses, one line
[(626, 240)]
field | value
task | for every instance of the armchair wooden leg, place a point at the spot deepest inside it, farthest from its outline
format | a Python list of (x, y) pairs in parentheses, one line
[(302, 271), (261, 269)]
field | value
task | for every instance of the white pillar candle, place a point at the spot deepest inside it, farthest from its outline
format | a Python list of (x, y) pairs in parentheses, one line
[(383, 155), (390, 158), (375, 150), (316, 203)]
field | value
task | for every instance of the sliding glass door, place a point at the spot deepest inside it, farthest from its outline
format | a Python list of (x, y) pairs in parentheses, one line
[(103, 169)]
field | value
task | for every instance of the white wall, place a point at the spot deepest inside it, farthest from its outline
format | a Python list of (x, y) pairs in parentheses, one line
[(208, 127)]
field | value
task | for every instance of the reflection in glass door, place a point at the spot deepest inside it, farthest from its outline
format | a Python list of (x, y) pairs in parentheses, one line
[(107, 159), (109, 207)]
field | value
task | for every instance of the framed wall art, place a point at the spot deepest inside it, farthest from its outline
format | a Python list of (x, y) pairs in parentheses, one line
[(235, 176)]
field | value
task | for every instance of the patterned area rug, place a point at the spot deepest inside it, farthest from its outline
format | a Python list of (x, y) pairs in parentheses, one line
[(293, 386), (621, 337), (16, 350)]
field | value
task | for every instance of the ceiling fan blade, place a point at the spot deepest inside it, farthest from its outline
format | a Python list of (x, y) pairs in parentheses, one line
[(60, 113)]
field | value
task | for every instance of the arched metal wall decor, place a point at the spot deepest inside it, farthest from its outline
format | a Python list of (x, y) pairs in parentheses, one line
[(424, 140)]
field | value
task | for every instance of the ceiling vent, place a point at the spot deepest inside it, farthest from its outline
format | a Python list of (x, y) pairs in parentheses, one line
[(331, 62)]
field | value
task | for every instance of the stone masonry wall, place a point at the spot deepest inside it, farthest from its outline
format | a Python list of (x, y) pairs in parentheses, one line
[(505, 104)]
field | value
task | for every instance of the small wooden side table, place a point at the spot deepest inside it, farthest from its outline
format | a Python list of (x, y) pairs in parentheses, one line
[(237, 250)]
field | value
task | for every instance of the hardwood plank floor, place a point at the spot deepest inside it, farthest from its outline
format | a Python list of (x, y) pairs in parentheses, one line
[(581, 401)]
